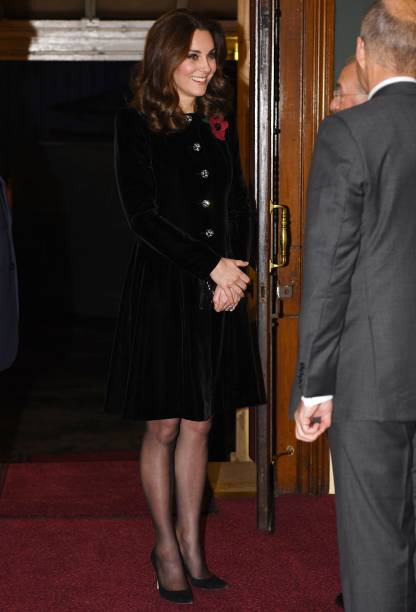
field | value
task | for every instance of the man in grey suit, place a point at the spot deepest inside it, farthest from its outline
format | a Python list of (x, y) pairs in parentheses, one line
[(357, 357), (8, 286), (348, 90)]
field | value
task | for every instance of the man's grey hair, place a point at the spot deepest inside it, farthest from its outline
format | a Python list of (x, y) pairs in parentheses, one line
[(389, 33)]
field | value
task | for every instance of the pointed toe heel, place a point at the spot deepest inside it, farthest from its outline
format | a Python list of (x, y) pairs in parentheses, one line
[(211, 583), (183, 596)]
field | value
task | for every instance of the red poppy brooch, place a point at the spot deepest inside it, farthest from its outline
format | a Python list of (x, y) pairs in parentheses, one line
[(218, 127)]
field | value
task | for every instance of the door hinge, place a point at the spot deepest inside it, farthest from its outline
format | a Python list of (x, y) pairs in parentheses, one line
[(263, 293)]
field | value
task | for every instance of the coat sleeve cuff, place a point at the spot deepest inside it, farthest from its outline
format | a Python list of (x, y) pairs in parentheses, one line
[(318, 399)]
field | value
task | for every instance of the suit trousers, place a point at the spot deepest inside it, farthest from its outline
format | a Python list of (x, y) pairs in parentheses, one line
[(374, 464)]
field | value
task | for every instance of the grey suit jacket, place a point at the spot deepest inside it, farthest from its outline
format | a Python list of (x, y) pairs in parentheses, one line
[(9, 313), (358, 318)]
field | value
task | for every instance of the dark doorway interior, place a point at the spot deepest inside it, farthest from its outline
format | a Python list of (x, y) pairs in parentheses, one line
[(72, 247)]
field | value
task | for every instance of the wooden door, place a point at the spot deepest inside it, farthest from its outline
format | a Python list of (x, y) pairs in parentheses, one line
[(305, 85), (292, 81)]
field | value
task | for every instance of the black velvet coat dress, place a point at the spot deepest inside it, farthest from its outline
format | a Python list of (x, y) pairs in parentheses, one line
[(185, 199)]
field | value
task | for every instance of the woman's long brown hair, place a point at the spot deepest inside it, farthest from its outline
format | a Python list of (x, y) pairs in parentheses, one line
[(167, 45)]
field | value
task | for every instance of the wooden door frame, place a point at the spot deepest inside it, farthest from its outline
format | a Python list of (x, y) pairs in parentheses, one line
[(318, 66), (262, 32), (312, 461)]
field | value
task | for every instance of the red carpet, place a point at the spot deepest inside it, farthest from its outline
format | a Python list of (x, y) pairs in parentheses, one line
[(101, 564)]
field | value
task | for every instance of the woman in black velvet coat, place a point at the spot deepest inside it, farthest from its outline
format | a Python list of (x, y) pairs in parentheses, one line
[(183, 349)]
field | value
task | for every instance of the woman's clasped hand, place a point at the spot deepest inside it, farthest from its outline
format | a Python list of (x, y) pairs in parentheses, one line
[(231, 283)]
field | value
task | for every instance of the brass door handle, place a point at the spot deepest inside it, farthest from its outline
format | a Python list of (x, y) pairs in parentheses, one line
[(282, 256)]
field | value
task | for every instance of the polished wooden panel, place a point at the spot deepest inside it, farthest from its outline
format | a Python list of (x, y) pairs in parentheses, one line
[(305, 83), (286, 464)]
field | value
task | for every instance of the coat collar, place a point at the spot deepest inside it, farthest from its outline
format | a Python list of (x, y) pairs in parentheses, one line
[(396, 86)]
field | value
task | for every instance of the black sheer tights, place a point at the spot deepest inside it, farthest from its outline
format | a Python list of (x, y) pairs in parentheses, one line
[(188, 457)]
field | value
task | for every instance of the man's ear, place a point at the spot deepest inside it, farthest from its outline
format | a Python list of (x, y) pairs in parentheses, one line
[(360, 53), (361, 58)]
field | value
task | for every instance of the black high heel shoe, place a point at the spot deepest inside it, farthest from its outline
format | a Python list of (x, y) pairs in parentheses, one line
[(210, 583), (183, 596)]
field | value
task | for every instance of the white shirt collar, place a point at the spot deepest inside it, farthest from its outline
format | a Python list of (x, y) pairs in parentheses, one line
[(397, 79)]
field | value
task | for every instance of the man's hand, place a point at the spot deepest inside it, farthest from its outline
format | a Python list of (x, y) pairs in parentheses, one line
[(313, 421)]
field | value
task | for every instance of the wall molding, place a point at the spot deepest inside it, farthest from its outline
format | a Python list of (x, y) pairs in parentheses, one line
[(78, 39)]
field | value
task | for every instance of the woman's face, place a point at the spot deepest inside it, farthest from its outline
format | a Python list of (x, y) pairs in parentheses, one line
[(192, 76)]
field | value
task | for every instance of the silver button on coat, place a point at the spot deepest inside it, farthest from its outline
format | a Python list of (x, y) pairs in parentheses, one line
[(209, 233), (196, 146), (204, 173), (206, 203)]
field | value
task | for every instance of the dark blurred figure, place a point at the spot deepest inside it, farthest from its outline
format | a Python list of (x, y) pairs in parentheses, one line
[(9, 307), (339, 600)]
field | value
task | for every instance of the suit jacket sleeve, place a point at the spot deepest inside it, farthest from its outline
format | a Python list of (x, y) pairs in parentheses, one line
[(332, 244), (242, 215), (138, 192)]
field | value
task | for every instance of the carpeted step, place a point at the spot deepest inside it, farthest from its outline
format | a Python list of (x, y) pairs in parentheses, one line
[(72, 489), (103, 455)]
